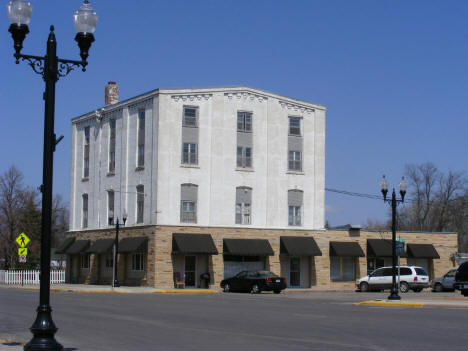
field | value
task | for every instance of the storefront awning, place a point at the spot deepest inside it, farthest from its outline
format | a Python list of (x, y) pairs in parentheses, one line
[(65, 245), (345, 249), (299, 246), (380, 248), (131, 244), (247, 247), (421, 251), (79, 246), (101, 246), (193, 244)]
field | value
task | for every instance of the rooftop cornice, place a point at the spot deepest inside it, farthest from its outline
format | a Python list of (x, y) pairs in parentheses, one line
[(180, 92)]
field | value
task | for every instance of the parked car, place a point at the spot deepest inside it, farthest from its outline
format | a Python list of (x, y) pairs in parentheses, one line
[(255, 282), (411, 278), (461, 279), (445, 282)]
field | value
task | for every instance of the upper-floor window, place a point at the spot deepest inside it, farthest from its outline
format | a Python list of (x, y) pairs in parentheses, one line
[(295, 126), (112, 146), (244, 157), (295, 161), (110, 206), (190, 117), (84, 211), (243, 205), (244, 121), (140, 203), (189, 153), (188, 203), (141, 138), (86, 142), (295, 200)]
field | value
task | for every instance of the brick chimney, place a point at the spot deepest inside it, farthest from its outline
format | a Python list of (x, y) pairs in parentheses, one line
[(111, 93)]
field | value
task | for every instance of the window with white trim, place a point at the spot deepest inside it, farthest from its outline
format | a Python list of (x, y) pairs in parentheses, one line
[(84, 211), (295, 126), (244, 121), (189, 154), (86, 142), (244, 157), (294, 216), (295, 161), (190, 117), (141, 139), (110, 206), (140, 203), (112, 134)]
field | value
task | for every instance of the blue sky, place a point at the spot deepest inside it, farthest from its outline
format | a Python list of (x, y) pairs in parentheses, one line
[(393, 75)]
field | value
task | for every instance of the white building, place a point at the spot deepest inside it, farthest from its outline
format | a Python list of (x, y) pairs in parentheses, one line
[(211, 157)]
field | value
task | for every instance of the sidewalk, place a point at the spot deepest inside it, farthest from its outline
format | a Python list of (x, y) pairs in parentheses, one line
[(82, 288)]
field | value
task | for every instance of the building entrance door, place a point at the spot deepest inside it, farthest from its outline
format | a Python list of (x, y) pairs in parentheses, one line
[(190, 269), (295, 272)]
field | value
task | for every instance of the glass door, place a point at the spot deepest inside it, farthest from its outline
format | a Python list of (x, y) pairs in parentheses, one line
[(190, 268), (295, 272)]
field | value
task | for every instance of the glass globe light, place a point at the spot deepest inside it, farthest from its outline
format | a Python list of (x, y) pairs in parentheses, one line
[(85, 19), (19, 12)]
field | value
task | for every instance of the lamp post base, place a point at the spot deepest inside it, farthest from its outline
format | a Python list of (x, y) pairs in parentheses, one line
[(43, 330), (116, 284), (394, 295)]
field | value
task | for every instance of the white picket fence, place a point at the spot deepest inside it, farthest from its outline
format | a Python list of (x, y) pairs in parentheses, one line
[(23, 277)]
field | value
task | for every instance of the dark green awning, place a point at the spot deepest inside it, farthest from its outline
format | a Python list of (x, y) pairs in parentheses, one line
[(247, 247), (345, 249), (101, 246), (79, 246), (132, 244), (421, 251), (299, 246), (65, 245), (193, 244)]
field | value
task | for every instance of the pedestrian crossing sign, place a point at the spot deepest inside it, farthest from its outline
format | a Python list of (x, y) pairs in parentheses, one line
[(22, 240), (22, 251)]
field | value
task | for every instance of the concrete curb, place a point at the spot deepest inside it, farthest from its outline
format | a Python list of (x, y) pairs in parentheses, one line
[(389, 304)]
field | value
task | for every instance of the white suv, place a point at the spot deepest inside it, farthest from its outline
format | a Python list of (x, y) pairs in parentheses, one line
[(411, 277)]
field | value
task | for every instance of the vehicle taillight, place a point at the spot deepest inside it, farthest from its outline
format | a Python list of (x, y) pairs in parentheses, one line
[(416, 278), (268, 280)]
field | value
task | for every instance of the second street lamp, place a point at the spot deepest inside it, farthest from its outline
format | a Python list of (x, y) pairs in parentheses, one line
[(51, 68), (115, 280), (393, 202)]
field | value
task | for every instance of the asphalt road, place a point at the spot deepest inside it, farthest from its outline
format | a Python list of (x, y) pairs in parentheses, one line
[(299, 321)]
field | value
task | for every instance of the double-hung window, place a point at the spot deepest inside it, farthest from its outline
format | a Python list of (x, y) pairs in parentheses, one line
[(190, 117), (138, 260), (111, 146), (140, 189), (141, 138), (295, 126), (110, 206), (294, 215), (295, 161), (244, 157), (189, 154), (243, 205), (84, 211), (86, 153), (188, 211), (244, 121)]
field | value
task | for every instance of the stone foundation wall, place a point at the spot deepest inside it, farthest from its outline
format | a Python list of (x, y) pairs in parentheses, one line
[(160, 269)]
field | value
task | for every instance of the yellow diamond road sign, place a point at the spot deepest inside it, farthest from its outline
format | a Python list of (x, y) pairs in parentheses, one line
[(22, 252), (22, 240)]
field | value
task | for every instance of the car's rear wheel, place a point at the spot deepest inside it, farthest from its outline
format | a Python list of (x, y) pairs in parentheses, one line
[(364, 287), (438, 287), (227, 288), (276, 291), (404, 287), (255, 289)]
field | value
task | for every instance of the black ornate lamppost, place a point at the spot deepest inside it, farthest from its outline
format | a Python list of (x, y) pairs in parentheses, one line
[(393, 203), (115, 281), (51, 68)]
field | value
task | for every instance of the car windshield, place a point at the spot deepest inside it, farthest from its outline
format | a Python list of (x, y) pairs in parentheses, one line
[(266, 274), (420, 271)]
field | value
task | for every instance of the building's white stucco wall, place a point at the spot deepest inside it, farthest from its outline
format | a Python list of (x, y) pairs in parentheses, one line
[(216, 174)]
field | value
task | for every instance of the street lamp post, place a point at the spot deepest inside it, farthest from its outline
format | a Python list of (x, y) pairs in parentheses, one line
[(115, 281), (393, 203), (51, 68)]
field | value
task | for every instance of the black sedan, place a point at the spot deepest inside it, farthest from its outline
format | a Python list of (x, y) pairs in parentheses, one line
[(255, 282)]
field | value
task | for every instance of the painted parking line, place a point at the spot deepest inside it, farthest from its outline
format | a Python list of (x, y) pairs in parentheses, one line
[(389, 304)]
